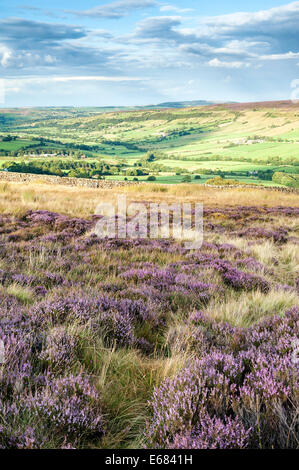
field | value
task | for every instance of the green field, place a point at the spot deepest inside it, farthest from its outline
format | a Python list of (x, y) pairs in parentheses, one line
[(174, 179), (16, 144), (238, 140)]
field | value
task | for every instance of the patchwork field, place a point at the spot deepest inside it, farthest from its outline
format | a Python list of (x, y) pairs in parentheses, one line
[(240, 141), (131, 343)]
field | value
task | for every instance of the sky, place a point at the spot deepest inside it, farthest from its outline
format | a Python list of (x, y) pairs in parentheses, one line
[(141, 52)]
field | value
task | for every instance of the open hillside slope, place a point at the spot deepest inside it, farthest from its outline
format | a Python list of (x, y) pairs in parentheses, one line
[(249, 142), (130, 343)]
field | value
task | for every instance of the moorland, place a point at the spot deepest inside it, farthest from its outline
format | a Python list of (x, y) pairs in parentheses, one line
[(131, 343), (123, 343)]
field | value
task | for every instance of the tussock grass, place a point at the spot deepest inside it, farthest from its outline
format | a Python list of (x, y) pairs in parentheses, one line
[(29, 196), (126, 380), (245, 309), (5, 187), (23, 294), (284, 260)]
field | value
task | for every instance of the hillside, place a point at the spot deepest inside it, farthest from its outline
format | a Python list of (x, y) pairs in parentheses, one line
[(110, 343), (248, 142)]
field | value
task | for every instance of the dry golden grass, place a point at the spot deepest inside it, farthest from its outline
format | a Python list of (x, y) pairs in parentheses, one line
[(126, 380), (247, 308), (284, 259), (15, 198)]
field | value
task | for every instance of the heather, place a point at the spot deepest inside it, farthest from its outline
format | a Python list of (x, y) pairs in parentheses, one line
[(136, 342), (239, 390)]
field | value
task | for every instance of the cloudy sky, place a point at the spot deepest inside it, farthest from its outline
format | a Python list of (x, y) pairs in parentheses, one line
[(137, 52)]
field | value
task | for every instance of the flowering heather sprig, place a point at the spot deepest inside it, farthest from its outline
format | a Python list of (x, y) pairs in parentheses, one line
[(11, 436), (284, 287), (8, 305), (245, 374), (75, 225), (198, 396), (41, 217), (169, 281), (49, 279), (214, 433), (279, 236), (157, 277), (17, 369), (23, 279), (114, 318), (60, 349), (249, 263), (3, 276), (247, 281), (40, 291), (70, 404)]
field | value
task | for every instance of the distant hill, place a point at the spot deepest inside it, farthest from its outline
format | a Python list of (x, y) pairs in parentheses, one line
[(248, 142), (89, 110), (186, 104)]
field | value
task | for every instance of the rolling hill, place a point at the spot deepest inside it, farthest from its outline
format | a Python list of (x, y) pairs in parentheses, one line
[(238, 140)]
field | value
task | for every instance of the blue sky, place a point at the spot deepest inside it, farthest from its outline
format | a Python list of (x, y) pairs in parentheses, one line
[(137, 52)]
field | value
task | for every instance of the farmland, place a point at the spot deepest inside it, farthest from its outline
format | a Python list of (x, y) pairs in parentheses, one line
[(248, 142), (132, 342)]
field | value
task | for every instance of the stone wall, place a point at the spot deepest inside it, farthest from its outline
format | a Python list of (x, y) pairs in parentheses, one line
[(51, 179), (281, 189), (91, 183)]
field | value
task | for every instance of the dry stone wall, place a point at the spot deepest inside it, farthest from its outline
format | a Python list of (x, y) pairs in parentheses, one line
[(52, 179), (280, 189), (105, 184)]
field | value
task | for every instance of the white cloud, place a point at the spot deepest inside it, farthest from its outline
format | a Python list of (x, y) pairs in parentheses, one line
[(273, 15), (50, 59), (6, 56), (287, 55), (12, 84), (295, 82), (114, 10), (94, 79), (228, 65), (2, 91), (175, 9)]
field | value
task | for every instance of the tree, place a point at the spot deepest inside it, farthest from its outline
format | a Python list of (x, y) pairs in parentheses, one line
[(149, 157), (286, 179), (186, 179), (265, 174)]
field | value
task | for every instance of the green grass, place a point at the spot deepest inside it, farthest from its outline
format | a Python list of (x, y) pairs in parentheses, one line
[(176, 179), (187, 138), (15, 145)]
